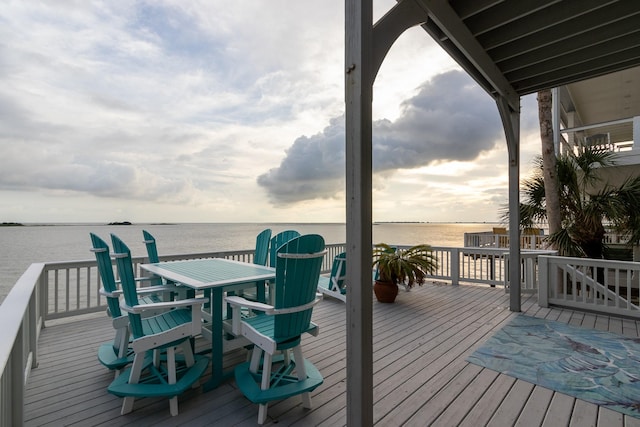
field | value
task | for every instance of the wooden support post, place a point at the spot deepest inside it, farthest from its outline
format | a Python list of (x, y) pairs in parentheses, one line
[(358, 94), (511, 124)]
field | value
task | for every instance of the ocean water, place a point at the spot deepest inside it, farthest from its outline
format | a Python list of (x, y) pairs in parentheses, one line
[(21, 246)]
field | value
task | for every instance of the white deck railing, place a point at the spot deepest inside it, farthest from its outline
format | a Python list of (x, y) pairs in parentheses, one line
[(21, 317), (602, 286), (49, 291), (488, 266), (488, 239), (73, 287)]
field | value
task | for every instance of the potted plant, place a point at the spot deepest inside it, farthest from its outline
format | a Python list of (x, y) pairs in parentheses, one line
[(400, 266)]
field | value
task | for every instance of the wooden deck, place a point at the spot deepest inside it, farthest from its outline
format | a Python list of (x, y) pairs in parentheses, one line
[(421, 377)]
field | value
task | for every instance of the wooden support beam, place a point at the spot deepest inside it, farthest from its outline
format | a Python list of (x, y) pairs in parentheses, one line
[(511, 124), (358, 100)]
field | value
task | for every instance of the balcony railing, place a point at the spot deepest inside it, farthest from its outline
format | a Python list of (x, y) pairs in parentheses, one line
[(620, 136)]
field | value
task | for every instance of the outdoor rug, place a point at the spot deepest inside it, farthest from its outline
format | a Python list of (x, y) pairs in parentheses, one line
[(599, 367)]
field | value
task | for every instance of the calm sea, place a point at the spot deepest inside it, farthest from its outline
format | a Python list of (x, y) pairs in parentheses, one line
[(21, 246)]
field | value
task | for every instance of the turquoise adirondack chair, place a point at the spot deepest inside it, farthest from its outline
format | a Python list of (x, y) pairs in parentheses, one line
[(117, 354), (279, 330), (334, 285), (150, 375)]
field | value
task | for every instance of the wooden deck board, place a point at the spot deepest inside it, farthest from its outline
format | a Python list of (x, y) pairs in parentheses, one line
[(509, 410), (455, 412), (420, 373), (482, 412), (535, 409), (584, 414), (560, 410), (609, 418)]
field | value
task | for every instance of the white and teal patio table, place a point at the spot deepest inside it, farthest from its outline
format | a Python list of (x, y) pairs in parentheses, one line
[(217, 275)]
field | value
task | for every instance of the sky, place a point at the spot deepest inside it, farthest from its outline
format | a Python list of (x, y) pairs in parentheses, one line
[(212, 111)]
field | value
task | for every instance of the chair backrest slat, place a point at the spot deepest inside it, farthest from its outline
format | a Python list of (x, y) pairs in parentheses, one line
[(296, 282), (277, 241), (122, 255)]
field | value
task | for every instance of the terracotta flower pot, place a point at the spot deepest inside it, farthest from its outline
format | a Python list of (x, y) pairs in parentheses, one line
[(385, 291)]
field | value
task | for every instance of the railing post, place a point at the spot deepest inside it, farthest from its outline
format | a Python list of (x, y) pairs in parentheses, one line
[(33, 330), (543, 281), (529, 272), (17, 380), (44, 296), (455, 266)]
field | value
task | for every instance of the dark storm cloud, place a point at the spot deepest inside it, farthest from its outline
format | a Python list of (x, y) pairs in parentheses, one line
[(313, 167), (451, 118)]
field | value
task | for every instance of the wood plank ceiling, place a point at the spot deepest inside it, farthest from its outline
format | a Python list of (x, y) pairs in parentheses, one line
[(517, 47)]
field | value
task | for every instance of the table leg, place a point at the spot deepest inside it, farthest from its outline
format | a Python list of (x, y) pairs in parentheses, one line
[(261, 293), (216, 340)]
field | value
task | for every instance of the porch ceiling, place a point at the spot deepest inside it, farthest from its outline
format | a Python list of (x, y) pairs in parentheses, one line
[(605, 99), (514, 48)]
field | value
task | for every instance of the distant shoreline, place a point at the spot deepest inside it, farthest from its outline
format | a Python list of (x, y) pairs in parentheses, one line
[(57, 224), (11, 224)]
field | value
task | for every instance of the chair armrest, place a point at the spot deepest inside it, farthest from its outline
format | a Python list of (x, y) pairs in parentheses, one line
[(140, 291), (114, 294), (141, 279), (156, 289), (296, 308), (236, 301), (137, 309), (236, 304)]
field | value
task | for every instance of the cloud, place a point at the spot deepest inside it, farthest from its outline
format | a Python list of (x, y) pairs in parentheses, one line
[(449, 119), (203, 108), (313, 167)]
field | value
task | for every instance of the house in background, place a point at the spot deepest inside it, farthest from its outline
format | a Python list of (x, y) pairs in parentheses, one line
[(603, 111)]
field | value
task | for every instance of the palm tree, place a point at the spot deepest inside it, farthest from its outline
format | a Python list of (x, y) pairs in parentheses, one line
[(586, 203), (549, 161)]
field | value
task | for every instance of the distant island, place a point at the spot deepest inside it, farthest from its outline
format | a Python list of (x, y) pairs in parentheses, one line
[(11, 224), (120, 223)]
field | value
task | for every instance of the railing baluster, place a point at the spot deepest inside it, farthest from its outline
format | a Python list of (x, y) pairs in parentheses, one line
[(78, 288), (55, 291)]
